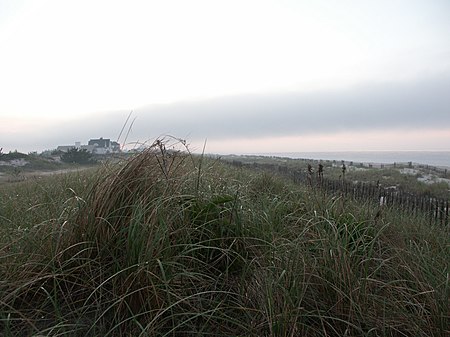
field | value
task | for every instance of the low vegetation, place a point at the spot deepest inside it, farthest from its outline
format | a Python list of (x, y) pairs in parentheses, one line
[(16, 166), (418, 180), (76, 156), (169, 244)]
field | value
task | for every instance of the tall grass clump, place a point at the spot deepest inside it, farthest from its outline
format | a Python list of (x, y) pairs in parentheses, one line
[(172, 244), (152, 249)]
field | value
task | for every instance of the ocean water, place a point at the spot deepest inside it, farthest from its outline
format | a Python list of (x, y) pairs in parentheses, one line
[(434, 158)]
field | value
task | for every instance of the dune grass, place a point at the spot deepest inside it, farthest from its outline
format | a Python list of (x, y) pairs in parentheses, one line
[(169, 244)]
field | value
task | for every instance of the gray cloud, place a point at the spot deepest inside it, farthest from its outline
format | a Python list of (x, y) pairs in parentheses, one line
[(382, 106)]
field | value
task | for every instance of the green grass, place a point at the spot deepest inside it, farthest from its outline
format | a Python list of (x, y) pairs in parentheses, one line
[(176, 245)]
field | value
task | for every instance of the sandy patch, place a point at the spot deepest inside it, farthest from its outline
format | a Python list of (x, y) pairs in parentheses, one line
[(409, 171), (8, 178), (432, 179), (14, 162)]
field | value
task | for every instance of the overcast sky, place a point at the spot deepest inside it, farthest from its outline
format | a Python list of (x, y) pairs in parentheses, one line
[(247, 76)]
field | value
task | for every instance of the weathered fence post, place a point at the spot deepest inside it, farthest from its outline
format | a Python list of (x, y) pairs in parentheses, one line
[(446, 213)]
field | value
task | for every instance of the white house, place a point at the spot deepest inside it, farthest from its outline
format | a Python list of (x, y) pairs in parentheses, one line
[(104, 145), (97, 146)]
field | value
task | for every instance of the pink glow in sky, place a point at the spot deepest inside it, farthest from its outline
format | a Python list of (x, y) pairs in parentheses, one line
[(400, 140)]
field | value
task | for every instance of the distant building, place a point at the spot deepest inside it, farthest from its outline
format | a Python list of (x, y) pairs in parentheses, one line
[(65, 148), (96, 146), (100, 143), (88, 148), (115, 146), (104, 145)]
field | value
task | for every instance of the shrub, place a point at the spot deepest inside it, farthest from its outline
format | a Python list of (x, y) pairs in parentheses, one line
[(76, 156)]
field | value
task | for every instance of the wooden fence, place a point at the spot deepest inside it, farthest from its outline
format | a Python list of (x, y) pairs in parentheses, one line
[(440, 171), (437, 210)]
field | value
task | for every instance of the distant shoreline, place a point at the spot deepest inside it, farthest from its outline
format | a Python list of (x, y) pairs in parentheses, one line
[(434, 158)]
